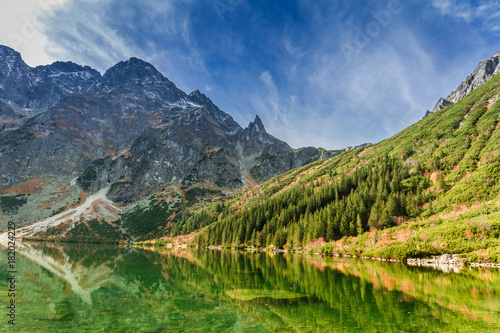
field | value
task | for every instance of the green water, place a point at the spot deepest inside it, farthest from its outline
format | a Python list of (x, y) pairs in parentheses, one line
[(90, 288)]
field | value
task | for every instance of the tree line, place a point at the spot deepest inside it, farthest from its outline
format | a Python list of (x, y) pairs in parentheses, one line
[(379, 194)]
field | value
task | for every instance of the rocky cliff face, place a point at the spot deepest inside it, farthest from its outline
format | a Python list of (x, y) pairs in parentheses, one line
[(441, 104), (266, 157), (131, 129), (9, 118), (484, 71)]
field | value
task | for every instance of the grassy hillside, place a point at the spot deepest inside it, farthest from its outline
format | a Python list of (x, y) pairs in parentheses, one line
[(437, 182)]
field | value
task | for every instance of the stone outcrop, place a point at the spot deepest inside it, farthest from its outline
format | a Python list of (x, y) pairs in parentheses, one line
[(483, 72), (441, 104)]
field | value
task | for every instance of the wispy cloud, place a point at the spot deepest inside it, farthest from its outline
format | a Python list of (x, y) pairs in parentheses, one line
[(275, 108), (483, 12), (329, 102), (100, 33), (21, 25), (453, 8), (78, 32)]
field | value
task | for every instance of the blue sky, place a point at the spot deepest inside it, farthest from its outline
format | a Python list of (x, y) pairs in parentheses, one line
[(329, 73)]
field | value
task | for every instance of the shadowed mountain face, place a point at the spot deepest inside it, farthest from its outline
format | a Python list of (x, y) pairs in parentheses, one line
[(131, 128)]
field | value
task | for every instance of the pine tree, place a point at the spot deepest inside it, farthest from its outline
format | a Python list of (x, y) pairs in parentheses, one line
[(344, 225), (373, 221), (385, 219), (359, 225), (240, 235), (393, 206)]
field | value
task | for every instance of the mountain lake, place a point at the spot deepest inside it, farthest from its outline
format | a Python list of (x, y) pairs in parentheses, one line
[(61, 287)]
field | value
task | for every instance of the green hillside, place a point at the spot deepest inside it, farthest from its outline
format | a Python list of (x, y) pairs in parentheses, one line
[(432, 188)]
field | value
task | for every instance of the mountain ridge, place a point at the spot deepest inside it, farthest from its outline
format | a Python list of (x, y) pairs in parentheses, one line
[(130, 130), (39, 87)]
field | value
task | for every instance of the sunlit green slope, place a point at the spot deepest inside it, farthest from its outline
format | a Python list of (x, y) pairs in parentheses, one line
[(441, 173)]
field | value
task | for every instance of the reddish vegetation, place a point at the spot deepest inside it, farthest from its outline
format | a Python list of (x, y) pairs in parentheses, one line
[(321, 265), (62, 194), (40, 134), (366, 151), (32, 186), (78, 110), (251, 182), (83, 197), (403, 235), (385, 239), (183, 239), (317, 242), (162, 125), (481, 235), (460, 210)]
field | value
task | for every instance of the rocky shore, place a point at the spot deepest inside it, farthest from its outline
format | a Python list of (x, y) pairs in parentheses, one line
[(446, 262), (451, 260)]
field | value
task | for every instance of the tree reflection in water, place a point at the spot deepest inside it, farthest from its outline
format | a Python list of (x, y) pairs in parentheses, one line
[(105, 288)]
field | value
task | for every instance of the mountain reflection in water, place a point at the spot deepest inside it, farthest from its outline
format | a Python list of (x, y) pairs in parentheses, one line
[(82, 287)]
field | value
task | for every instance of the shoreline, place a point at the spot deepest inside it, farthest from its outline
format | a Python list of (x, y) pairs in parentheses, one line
[(445, 262)]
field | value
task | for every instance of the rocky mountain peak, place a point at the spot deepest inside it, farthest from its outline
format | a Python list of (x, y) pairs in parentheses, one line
[(483, 72), (132, 71), (255, 134), (195, 93), (257, 123), (132, 128), (441, 104), (199, 98), (12, 63), (255, 130), (68, 67), (138, 77), (39, 87)]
